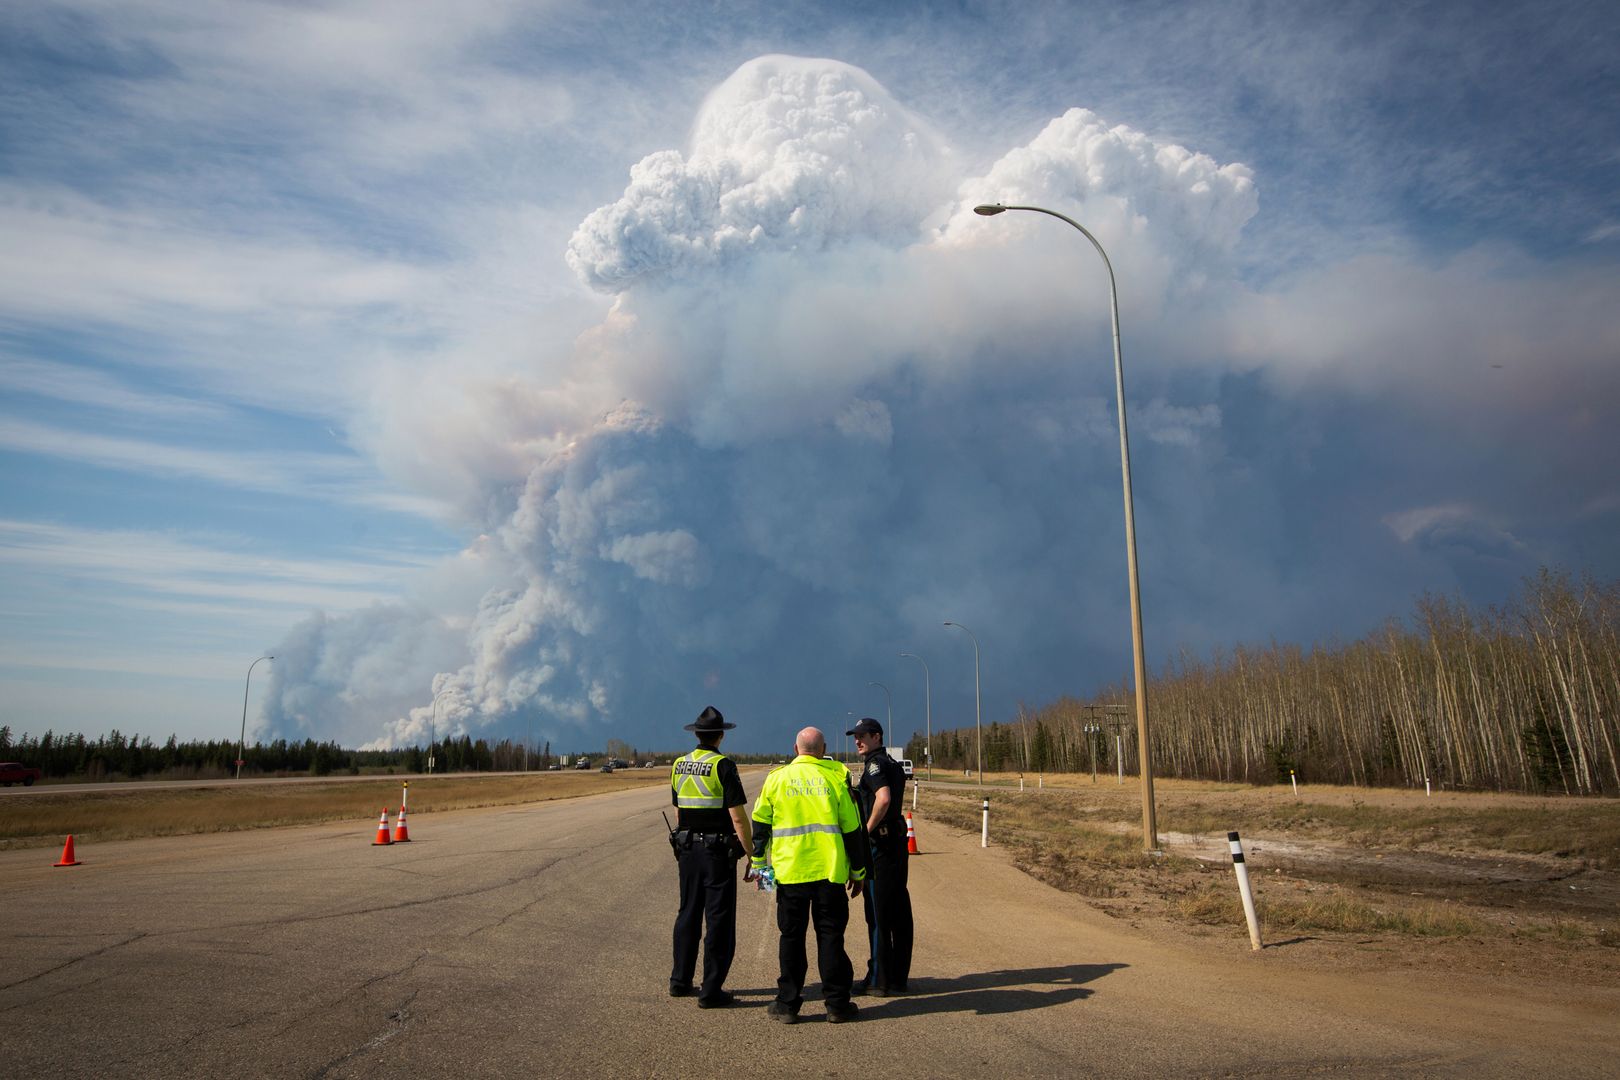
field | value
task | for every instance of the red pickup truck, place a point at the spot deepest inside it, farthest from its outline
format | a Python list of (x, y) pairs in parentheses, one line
[(13, 772)]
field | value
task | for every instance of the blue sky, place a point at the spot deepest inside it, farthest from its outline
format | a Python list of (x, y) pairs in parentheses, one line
[(591, 363)]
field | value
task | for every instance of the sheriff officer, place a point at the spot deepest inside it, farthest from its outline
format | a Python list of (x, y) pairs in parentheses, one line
[(712, 832), (882, 793)]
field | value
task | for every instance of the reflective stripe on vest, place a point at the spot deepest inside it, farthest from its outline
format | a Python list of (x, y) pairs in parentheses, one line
[(696, 780), (801, 830)]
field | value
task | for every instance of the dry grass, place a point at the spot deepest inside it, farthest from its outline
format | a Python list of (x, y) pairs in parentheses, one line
[(1086, 839), (1588, 829), (42, 820), (1583, 828), (1219, 905)]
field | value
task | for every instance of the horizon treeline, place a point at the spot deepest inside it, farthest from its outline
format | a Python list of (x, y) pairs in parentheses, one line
[(115, 756), (1522, 697)]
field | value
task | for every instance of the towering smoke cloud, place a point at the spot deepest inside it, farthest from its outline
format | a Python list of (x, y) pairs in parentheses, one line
[(829, 409)]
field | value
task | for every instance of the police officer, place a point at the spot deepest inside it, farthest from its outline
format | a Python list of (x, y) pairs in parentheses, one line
[(711, 833), (882, 794), (804, 817)]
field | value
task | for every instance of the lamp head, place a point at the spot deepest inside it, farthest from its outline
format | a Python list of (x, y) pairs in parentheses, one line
[(989, 209)]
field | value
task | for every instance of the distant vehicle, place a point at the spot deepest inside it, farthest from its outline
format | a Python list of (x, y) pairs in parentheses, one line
[(583, 763), (606, 768), (15, 772), (553, 767), (905, 763), (649, 764), (618, 763)]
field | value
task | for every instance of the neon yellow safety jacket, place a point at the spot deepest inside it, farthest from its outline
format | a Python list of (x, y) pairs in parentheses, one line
[(806, 819), (696, 780)]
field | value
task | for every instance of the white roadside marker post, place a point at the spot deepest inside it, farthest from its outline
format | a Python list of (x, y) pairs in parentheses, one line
[(914, 786), (1426, 790), (1295, 782), (1243, 888), (984, 836), (1020, 783)]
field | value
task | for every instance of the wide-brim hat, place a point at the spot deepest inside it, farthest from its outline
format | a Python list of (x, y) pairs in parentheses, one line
[(709, 722), (866, 726)]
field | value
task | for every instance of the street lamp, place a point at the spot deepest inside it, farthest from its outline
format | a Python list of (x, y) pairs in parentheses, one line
[(433, 727), (241, 742), (928, 715), (890, 698), (978, 731), (1150, 830)]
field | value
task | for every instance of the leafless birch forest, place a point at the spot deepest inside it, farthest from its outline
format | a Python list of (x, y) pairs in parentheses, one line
[(1518, 698)]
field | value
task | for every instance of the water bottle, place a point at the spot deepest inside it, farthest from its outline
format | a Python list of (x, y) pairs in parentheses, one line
[(765, 879)]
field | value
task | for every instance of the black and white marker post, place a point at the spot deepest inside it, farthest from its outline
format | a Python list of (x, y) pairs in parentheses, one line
[(1243, 888), (984, 837)]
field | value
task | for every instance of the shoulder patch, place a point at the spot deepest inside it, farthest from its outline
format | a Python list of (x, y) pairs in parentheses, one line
[(873, 769)]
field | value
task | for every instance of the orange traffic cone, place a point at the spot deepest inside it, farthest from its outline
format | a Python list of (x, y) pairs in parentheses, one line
[(67, 858), (402, 835), (382, 830), (911, 836)]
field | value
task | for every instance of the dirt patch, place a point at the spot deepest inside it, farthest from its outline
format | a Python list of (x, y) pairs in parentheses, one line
[(1544, 885)]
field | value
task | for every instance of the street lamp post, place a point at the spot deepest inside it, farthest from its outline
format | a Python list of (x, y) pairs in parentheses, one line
[(1150, 830), (241, 742), (890, 698), (928, 715), (978, 711), (433, 728)]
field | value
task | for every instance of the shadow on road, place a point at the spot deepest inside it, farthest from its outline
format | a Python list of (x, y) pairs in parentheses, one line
[(985, 993)]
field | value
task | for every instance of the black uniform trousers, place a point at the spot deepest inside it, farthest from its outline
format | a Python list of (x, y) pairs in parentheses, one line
[(708, 894), (797, 907), (888, 917)]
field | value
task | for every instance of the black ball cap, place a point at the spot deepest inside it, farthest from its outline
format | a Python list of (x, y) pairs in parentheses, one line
[(866, 726), (709, 721)]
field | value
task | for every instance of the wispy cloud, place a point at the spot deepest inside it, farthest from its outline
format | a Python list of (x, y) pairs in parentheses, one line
[(79, 385), (293, 473), (159, 569)]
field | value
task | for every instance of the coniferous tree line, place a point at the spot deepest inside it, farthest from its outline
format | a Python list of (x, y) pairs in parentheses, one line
[(1523, 697), (115, 756), (133, 757)]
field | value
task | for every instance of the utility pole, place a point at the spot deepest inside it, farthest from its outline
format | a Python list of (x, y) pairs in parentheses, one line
[(1117, 721)]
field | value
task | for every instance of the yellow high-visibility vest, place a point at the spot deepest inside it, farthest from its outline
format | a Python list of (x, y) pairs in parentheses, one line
[(807, 806), (696, 780)]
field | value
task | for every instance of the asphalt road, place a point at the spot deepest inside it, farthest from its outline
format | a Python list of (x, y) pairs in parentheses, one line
[(534, 941)]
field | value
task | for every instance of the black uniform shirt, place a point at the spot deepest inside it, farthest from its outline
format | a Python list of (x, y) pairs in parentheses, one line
[(882, 771), (716, 821)]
